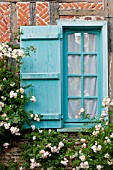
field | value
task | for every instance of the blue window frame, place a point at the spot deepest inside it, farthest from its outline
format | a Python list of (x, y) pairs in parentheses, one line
[(85, 71), (82, 74)]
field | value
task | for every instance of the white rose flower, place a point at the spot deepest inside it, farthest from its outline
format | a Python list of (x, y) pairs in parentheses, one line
[(82, 158), (31, 115), (108, 140), (1, 123), (83, 140), (14, 130), (99, 167), (40, 131), (13, 94), (84, 145), (78, 115), (34, 137), (106, 155), (33, 127), (3, 98), (77, 168), (18, 134), (45, 155), (49, 131), (0, 109), (81, 110), (4, 115), (1, 104), (6, 145), (7, 125), (21, 90), (21, 168), (17, 90), (94, 148), (32, 160), (42, 151), (98, 126), (95, 133), (99, 147), (21, 96), (60, 145), (33, 99), (111, 136), (12, 84)]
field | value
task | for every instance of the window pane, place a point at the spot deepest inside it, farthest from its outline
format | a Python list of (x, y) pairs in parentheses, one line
[(90, 86), (74, 64), (91, 108), (73, 108), (90, 64), (74, 86), (74, 42), (89, 42)]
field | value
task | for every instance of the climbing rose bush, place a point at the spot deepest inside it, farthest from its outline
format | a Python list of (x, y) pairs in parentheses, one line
[(12, 96), (90, 149)]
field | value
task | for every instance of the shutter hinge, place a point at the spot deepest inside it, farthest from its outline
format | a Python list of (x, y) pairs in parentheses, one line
[(62, 116)]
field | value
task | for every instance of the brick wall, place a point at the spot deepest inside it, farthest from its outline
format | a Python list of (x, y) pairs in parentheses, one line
[(13, 15)]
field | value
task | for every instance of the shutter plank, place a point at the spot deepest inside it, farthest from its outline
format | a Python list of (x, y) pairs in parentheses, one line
[(41, 76)]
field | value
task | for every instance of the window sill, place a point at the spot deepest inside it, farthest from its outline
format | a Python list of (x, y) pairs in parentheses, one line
[(73, 130)]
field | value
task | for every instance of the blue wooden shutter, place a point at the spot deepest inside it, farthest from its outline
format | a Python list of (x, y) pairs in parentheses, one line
[(42, 70)]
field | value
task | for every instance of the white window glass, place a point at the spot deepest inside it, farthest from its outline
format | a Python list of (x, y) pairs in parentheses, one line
[(74, 64), (90, 86), (91, 108), (74, 42), (73, 108), (89, 42), (74, 86), (90, 64)]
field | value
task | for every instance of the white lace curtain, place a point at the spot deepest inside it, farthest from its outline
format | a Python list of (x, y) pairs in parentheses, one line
[(75, 66)]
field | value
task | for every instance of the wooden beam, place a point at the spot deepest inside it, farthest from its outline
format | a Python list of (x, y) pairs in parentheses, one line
[(81, 12), (68, 1), (110, 8), (54, 12), (32, 13), (13, 22), (89, 1)]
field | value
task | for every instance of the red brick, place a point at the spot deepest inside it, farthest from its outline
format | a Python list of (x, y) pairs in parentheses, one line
[(102, 7), (65, 5), (70, 5), (98, 6), (46, 4), (41, 22), (81, 5), (47, 20), (41, 5), (4, 22), (75, 5), (86, 6), (42, 13), (23, 11), (45, 15), (67, 17), (93, 5), (39, 8)]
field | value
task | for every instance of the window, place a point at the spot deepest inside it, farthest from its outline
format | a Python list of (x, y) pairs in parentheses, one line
[(68, 71)]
